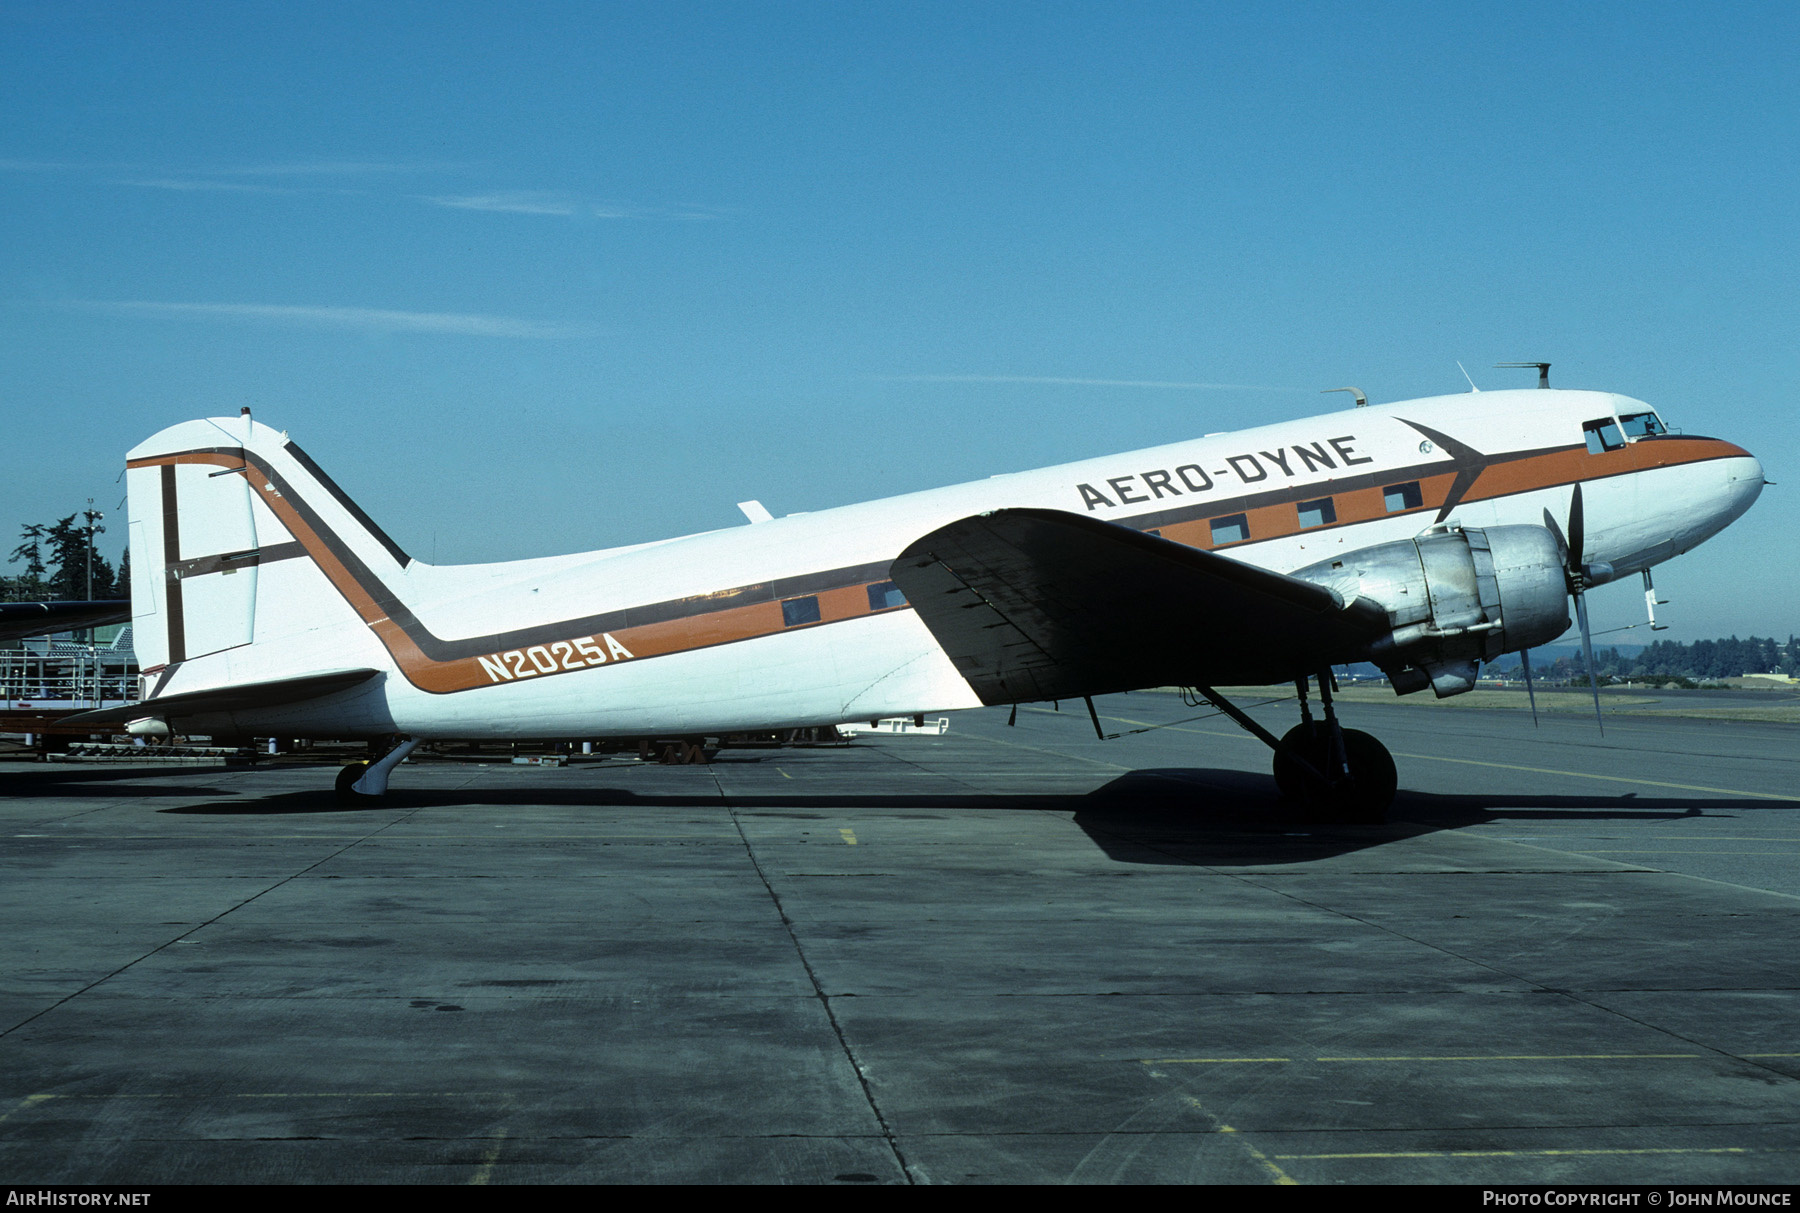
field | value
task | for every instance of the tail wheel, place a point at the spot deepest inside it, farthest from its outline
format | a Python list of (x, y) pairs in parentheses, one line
[(346, 778)]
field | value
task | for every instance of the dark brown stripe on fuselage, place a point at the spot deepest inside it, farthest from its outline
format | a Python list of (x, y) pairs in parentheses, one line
[(171, 538)]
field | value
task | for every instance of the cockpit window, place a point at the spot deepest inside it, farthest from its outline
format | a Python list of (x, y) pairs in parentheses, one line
[(1602, 435), (1637, 425)]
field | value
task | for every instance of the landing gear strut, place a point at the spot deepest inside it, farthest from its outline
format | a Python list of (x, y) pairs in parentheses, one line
[(1339, 774), (366, 782)]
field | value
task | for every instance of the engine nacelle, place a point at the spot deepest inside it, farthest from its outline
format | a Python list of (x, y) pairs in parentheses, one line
[(1454, 597)]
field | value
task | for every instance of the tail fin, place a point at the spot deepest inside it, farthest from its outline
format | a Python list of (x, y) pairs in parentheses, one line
[(238, 537)]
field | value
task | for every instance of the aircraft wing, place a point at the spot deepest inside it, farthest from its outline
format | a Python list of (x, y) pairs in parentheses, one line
[(1037, 604), (277, 692), (36, 618)]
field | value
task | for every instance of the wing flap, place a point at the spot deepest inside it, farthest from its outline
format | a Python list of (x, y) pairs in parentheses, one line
[(1041, 604)]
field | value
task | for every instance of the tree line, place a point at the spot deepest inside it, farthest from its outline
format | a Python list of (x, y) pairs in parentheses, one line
[(61, 564), (1670, 660)]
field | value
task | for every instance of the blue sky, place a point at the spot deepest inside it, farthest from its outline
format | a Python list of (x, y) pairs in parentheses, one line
[(550, 277)]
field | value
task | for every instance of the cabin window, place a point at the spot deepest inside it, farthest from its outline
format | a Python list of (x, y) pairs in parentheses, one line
[(1233, 528), (1602, 434), (796, 611), (1317, 513), (1402, 496), (1642, 425), (884, 595)]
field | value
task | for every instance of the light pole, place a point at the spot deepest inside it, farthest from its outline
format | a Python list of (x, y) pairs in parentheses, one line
[(92, 515)]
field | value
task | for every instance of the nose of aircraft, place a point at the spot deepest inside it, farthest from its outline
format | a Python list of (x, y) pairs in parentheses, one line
[(1743, 485)]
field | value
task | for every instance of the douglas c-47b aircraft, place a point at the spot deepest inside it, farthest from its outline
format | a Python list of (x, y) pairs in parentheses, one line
[(1425, 536)]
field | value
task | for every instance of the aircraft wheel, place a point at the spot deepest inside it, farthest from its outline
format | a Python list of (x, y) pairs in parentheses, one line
[(1366, 795), (1307, 740), (347, 794)]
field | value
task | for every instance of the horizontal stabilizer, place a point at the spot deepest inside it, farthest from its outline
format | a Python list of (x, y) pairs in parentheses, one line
[(36, 618), (243, 696)]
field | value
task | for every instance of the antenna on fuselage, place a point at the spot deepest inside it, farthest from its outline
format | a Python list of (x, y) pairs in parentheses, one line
[(1466, 375), (1543, 369), (1362, 401)]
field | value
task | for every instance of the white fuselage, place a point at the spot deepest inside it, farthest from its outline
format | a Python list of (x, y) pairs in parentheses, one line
[(715, 633)]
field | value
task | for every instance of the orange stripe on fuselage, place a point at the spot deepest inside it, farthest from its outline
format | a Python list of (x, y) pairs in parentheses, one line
[(1501, 478)]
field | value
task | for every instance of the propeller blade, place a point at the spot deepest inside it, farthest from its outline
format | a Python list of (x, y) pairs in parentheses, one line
[(1577, 553), (1530, 691), (1587, 652), (1562, 544), (1555, 528)]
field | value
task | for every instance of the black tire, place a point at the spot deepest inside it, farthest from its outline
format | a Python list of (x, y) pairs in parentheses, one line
[(347, 794), (1377, 778), (1366, 795), (1306, 740)]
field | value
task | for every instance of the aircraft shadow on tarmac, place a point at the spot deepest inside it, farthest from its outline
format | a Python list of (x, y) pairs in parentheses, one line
[(57, 779), (1152, 816)]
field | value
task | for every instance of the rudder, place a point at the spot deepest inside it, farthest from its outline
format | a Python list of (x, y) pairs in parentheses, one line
[(238, 538)]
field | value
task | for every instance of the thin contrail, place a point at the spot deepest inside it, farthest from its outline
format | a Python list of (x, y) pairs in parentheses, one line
[(376, 319), (1179, 385)]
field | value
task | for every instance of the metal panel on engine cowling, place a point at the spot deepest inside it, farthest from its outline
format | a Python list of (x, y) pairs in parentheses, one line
[(1450, 582), (1528, 576)]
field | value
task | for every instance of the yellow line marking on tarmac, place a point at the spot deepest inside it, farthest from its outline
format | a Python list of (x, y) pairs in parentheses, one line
[(1015, 745), (783, 773), (1176, 728), (1210, 1061), (33, 1099), (1530, 1057), (1281, 1178), (1215, 1061), (488, 1160), (1648, 783), (1673, 837), (1530, 1153), (1504, 766), (1667, 851), (25, 1105), (849, 836)]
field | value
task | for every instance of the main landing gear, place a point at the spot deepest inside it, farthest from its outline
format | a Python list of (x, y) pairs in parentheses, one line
[(366, 782), (1339, 774)]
